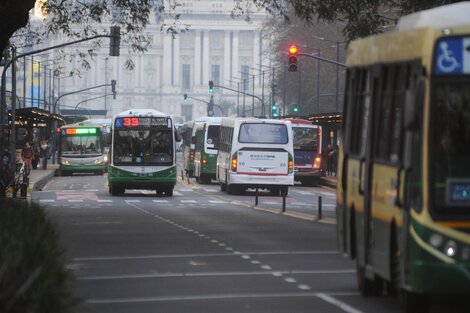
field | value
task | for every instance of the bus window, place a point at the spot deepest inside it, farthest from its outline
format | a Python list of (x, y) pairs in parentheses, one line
[(263, 133), (213, 137), (305, 138)]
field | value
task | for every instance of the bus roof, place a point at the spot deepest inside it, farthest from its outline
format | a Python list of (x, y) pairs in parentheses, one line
[(298, 121), (445, 16), (230, 121), (142, 112), (413, 40)]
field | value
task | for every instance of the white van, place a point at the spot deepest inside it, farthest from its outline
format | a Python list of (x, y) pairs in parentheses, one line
[(255, 153)]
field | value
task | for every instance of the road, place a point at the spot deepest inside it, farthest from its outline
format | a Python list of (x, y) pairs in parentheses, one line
[(203, 250)]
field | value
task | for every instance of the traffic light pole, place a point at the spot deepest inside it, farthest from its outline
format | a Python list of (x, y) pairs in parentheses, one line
[(74, 92), (207, 102), (241, 92)]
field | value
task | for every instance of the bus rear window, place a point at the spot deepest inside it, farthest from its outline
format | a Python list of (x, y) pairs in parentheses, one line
[(263, 133), (213, 137)]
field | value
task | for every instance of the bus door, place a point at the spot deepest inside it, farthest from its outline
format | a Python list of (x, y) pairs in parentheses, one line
[(359, 167)]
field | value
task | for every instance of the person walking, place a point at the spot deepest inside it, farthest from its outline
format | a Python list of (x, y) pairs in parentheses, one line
[(329, 162), (44, 153), (27, 154)]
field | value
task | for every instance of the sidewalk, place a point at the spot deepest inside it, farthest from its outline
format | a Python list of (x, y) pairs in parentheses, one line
[(38, 178), (329, 181)]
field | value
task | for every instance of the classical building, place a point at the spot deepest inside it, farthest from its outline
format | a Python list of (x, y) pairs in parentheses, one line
[(230, 52)]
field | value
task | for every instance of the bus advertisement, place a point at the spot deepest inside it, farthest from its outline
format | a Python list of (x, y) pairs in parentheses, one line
[(143, 152)]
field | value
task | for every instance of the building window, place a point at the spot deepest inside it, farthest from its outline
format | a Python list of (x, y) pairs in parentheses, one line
[(216, 74), (186, 83), (245, 71), (187, 111)]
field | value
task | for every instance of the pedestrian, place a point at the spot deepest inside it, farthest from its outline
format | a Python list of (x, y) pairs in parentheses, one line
[(329, 162), (44, 153), (27, 154), (333, 155)]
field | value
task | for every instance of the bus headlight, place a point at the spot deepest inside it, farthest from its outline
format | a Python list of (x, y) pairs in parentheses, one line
[(436, 240), (98, 161), (105, 158), (450, 248), (64, 161)]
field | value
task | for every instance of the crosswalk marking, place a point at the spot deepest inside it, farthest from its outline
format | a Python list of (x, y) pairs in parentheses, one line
[(132, 201), (217, 201), (46, 200), (176, 193), (75, 200), (160, 201), (188, 201), (305, 193), (210, 190), (103, 201)]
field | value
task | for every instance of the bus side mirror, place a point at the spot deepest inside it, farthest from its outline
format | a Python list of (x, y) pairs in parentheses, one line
[(177, 135), (107, 139)]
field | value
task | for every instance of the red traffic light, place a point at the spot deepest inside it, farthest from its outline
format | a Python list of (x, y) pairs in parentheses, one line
[(293, 50)]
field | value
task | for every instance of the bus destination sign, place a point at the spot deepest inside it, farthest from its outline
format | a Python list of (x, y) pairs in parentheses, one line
[(452, 56), (124, 122)]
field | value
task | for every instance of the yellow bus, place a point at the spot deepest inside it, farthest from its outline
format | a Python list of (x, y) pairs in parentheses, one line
[(403, 196)]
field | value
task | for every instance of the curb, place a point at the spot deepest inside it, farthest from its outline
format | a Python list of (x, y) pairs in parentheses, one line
[(37, 185)]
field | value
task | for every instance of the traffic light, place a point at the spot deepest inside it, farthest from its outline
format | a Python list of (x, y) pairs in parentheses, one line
[(274, 110), (296, 109), (114, 41), (211, 87), (210, 107), (293, 54), (113, 88), (185, 97)]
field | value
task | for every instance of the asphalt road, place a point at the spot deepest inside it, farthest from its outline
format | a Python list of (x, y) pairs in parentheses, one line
[(203, 250)]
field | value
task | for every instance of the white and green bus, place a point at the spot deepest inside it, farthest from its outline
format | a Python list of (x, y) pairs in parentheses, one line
[(82, 148), (142, 152)]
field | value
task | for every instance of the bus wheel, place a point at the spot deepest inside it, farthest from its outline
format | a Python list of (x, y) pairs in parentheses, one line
[(230, 189), (368, 287), (413, 302), (169, 191)]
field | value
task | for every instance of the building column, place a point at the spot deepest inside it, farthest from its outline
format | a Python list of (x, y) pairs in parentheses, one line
[(168, 57), (256, 55), (235, 54), (176, 61), (197, 58), (205, 57), (227, 61)]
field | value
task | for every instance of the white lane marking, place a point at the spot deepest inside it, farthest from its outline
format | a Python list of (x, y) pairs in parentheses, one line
[(306, 193), (92, 190), (199, 274), (216, 297), (103, 201), (160, 201), (132, 201), (75, 200), (164, 256), (328, 194), (46, 200), (184, 189), (271, 202), (176, 193), (340, 304), (210, 190), (266, 267), (188, 201), (304, 287), (217, 201)]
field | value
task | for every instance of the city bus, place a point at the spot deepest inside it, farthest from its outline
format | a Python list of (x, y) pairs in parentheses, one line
[(206, 148), (143, 152), (403, 194), (82, 148), (255, 153), (189, 144), (307, 151)]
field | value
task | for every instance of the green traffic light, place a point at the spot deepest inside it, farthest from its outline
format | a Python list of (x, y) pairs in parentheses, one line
[(275, 114), (296, 109), (211, 90), (274, 107)]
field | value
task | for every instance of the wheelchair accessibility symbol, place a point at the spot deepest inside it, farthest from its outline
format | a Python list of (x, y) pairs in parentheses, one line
[(446, 61)]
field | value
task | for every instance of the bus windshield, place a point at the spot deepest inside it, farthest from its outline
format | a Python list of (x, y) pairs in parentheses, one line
[(305, 138), (143, 146), (263, 133), (451, 148), (213, 134), (81, 146)]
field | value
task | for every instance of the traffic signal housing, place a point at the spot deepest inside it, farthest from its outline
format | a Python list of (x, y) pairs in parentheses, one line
[(293, 58), (113, 88), (210, 107), (185, 97), (274, 110), (211, 87), (114, 41)]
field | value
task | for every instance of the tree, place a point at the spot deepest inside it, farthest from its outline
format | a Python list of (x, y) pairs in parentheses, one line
[(359, 17)]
